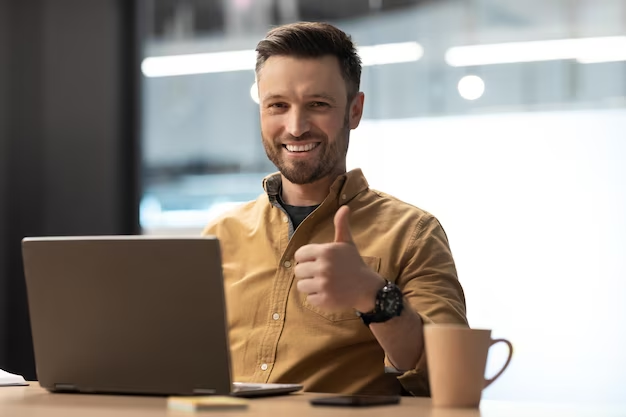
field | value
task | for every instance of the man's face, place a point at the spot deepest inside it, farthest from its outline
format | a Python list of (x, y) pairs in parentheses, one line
[(305, 116)]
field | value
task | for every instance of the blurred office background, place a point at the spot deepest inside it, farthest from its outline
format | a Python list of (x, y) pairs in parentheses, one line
[(519, 149), (504, 118)]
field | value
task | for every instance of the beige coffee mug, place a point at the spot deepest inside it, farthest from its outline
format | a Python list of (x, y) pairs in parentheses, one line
[(457, 358)]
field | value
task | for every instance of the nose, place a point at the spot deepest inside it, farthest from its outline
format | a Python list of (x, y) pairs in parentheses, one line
[(297, 122)]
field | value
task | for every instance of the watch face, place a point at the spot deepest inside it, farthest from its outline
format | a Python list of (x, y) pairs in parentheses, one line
[(392, 300), (391, 304)]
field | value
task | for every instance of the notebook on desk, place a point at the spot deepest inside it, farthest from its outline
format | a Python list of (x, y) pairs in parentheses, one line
[(8, 379), (131, 314)]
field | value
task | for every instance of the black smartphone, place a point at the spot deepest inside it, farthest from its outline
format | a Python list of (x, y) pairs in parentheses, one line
[(356, 400)]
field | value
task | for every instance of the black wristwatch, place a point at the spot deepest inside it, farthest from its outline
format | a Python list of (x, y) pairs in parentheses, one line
[(388, 305)]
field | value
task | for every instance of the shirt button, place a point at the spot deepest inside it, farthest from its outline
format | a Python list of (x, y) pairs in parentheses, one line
[(287, 264), (285, 219), (343, 196), (275, 316), (264, 367)]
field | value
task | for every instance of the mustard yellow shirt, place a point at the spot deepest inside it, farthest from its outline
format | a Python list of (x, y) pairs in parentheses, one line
[(276, 336)]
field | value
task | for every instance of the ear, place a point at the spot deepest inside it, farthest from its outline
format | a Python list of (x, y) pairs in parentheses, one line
[(356, 110)]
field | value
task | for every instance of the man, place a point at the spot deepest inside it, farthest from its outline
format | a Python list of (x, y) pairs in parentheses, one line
[(328, 281)]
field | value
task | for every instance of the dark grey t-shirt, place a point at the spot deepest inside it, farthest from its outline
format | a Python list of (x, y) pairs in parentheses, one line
[(297, 214)]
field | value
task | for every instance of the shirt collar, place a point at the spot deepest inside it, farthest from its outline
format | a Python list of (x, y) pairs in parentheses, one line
[(343, 189)]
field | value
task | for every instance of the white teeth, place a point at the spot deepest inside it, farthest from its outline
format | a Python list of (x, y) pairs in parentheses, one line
[(301, 148)]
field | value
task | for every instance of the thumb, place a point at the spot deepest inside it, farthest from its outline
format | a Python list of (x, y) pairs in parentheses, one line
[(342, 225)]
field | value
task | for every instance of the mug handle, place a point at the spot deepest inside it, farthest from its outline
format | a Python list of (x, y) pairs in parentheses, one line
[(493, 342)]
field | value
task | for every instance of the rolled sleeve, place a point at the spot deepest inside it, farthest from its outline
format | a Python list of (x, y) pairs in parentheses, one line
[(430, 285)]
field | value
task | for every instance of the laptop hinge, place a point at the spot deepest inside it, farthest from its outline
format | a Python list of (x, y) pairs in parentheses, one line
[(204, 391), (65, 387)]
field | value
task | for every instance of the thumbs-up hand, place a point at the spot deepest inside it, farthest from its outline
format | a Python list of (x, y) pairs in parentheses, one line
[(343, 234), (333, 275)]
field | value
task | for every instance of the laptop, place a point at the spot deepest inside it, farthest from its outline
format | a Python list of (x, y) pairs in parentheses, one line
[(131, 315)]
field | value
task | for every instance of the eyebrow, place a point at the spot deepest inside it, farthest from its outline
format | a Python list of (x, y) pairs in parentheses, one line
[(324, 96)]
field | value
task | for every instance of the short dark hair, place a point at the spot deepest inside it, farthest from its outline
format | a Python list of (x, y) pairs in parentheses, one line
[(313, 40)]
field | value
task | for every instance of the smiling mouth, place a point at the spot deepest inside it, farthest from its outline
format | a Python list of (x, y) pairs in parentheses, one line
[(301, 148)]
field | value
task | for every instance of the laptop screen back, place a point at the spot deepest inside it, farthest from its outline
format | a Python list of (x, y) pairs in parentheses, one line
[(131, 314)]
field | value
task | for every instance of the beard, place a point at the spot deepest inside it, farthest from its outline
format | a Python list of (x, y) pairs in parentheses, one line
[(332, 154)]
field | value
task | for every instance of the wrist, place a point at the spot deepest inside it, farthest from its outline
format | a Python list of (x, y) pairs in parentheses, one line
[(367, 300)]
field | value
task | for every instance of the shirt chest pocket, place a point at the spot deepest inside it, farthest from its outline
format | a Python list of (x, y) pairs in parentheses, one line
[(342, 315)]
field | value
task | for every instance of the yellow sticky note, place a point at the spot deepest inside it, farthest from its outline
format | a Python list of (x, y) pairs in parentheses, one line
[(207, 403)]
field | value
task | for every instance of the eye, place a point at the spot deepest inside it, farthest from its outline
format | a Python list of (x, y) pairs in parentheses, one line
[(319, 104), (278, 107)]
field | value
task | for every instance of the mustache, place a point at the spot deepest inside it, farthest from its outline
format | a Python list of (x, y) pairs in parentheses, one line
[(302, 138)]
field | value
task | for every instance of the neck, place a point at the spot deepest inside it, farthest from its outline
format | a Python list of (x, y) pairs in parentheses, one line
[(303, 195)]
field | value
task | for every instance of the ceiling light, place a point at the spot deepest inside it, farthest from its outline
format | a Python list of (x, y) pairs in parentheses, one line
[(254, 93), (471, 87), (164, 66), (505, 53), (245, 60), (390, 53)]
